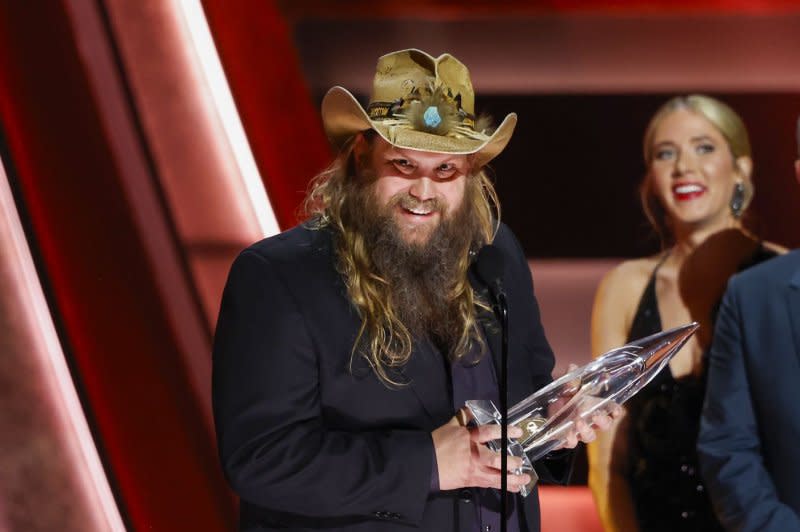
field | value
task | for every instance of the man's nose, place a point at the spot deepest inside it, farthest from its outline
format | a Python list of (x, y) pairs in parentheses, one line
[(422, 188)]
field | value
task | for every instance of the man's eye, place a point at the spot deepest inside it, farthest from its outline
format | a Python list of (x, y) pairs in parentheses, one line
[(446, 171), (403, 164)]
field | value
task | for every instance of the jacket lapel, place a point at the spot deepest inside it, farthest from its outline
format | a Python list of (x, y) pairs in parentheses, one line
[(429, 380), (493, 333), (427, 374), (490, 327)]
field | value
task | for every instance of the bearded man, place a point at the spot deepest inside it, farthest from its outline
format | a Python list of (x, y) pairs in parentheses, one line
[(346, 346)]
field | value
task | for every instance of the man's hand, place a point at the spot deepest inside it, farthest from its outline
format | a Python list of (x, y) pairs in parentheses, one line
[(464, 460)]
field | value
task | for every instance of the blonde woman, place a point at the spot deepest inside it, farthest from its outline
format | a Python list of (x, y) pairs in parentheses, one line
[(643, 472)]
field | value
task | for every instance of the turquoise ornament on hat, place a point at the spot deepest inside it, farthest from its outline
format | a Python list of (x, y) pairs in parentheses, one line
[(431, 117)]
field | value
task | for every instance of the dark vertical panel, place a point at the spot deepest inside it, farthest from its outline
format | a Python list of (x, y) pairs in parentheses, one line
[(568, 180)]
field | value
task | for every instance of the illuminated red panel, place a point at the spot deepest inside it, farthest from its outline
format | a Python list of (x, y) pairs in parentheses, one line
[(51, 477), (482, 8), (151, 432), (568, 508), (283, 127), (193, 160)]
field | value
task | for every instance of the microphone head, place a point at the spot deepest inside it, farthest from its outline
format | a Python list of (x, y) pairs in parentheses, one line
[(489, 265)]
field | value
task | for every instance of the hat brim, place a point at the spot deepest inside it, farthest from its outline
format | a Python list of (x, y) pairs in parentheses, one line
[(343, 117)]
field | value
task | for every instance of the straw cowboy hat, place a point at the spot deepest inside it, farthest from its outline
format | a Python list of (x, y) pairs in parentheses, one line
[(418, 102)]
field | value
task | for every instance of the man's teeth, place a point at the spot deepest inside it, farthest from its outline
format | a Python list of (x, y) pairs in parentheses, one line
[(688, 189), (418, 210)]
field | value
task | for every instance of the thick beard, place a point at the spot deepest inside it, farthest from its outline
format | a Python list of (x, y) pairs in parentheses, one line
[(420, 275)]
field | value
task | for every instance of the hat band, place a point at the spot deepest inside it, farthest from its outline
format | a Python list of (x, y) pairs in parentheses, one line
[(386, 110)]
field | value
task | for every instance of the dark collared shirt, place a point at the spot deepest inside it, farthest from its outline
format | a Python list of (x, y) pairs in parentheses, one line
[(479, 381)]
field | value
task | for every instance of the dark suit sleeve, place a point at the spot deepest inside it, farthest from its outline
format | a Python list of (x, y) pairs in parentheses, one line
[(741, 489), (274, 446), (556, 467)]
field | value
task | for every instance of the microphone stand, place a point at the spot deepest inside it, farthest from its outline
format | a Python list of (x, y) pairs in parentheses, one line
[(501, 310), (489, 269)]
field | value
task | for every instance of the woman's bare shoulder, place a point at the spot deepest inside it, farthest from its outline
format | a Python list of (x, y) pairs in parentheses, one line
[(620, 290), (616, 300), (630, 276)]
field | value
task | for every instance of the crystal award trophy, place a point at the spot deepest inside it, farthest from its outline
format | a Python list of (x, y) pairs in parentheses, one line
[(547, 417)]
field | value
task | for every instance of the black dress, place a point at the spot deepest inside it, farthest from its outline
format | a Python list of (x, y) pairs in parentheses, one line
[(668, 493)]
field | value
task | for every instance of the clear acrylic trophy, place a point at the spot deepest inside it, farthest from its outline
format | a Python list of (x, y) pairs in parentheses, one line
[(547, 417)]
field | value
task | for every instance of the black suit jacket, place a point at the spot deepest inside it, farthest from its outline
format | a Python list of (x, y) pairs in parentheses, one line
[(312, 441), (749, 442)]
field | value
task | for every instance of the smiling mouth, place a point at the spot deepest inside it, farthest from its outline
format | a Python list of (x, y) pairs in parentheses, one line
[(419, 211), (418, 208), (688, 191)]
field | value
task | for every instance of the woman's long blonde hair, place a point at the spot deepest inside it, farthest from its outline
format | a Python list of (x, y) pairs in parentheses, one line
[(721, 116), (383, 340)]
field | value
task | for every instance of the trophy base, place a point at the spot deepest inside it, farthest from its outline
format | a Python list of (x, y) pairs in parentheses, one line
[(484, 413)]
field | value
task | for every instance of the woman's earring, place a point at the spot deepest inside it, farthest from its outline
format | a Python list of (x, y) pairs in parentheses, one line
[(737, 200)]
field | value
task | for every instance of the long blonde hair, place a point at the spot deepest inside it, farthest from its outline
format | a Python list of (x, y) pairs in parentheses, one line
[(383, 340), (722, 117)]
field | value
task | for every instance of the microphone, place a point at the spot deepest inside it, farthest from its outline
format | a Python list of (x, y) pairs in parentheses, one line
[(489, 268)]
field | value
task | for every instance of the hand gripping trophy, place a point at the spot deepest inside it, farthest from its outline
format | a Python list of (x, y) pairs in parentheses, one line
[(547, 416)]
